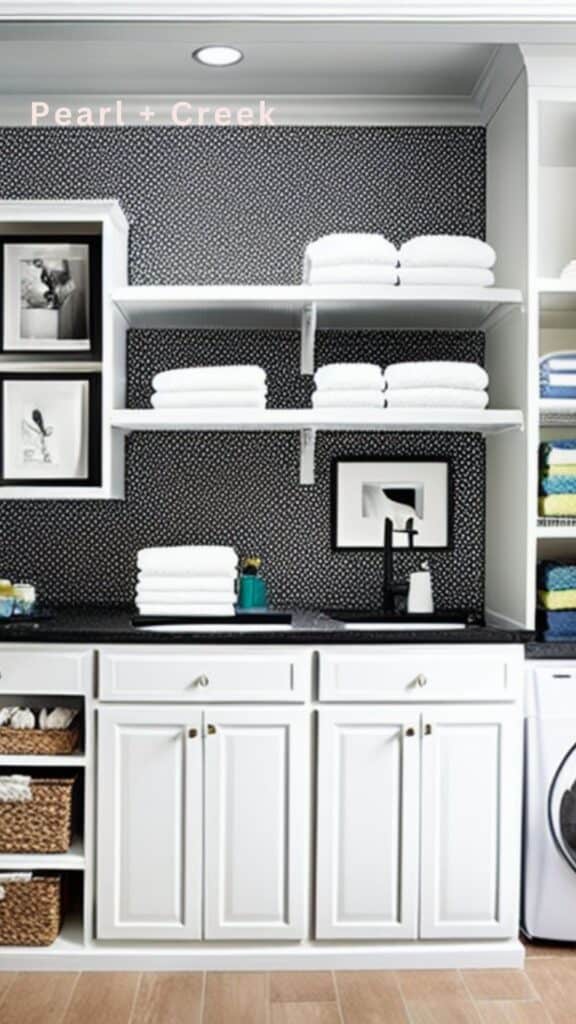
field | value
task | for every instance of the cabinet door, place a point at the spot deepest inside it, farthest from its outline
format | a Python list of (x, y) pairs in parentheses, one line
[(149, 823), (257, 808), (471, 797), (368, 827)]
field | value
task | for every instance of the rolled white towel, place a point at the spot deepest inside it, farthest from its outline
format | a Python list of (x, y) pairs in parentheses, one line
[(436, 398), (446, 251), (348, 399), (6, 715), (351, 247), (211, 378), (56, 718), (429, 374), (255, 399), (357, 273), (147, 583), (460, 277), (174, 611), (22, 718), (348, 376), (204, 559), (15, 789), (185, 597)]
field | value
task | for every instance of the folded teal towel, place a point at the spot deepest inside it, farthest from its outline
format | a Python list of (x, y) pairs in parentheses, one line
[(558, 485), (556, 576)]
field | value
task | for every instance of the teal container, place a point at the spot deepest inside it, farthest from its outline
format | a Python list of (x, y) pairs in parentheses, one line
[(252, 592)]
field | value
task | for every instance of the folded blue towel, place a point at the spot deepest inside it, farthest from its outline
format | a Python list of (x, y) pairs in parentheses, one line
[(560, 624), (558, 485), (547, 391), (556, 576)]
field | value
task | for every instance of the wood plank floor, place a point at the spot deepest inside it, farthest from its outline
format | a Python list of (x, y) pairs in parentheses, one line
[(543, 993)]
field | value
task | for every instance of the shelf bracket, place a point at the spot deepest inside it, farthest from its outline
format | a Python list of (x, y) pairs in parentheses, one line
[(307, 454), (307, 337)]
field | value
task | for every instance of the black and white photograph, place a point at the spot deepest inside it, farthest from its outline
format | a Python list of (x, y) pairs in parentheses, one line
[(48, 428), (402, 502), (49, 305)]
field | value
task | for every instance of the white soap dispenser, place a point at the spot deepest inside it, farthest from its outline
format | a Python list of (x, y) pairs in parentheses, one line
[(420, 599)]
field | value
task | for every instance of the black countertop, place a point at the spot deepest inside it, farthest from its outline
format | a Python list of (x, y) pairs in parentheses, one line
[(114, 626)]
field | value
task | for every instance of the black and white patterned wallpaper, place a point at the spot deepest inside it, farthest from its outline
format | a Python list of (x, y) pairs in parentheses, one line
[(216, 205)]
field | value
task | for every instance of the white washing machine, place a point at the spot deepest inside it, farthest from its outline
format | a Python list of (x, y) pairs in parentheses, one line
[(549, 878)]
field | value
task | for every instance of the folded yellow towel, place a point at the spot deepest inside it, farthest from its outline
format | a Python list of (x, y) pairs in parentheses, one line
[(556, 600), (567, 470), (558, 505)]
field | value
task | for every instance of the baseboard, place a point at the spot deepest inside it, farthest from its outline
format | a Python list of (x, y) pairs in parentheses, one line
[(396, 956)]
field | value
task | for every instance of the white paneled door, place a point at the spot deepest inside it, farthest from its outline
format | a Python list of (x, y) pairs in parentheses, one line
[(257, 807), (150, 823), (471, 797), (368, 823)]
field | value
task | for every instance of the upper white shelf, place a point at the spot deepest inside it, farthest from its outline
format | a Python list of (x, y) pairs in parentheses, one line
[(557, 302), (486, 421), (336, 306)]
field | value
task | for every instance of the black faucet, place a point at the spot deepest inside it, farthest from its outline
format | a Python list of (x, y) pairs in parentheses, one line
[(392, 590)]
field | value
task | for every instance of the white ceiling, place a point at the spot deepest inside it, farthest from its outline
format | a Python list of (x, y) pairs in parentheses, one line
[(288, 59)]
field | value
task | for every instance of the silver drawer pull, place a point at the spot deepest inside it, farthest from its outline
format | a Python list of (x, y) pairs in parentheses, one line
[(201, 681), (420, 680)]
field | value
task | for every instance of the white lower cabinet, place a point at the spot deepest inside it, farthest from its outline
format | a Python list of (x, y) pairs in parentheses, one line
[(418, 822), (202, 815)]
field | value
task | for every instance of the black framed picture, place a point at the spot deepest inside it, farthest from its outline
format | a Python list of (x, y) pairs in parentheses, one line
[(413, 495), (50, 429), (51, 295)]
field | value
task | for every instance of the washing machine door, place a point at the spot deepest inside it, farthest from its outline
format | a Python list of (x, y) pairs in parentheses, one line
[(562, 807)]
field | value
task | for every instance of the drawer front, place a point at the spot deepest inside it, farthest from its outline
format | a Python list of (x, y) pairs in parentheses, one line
[(45, 671), (417, 677), (204, 676)]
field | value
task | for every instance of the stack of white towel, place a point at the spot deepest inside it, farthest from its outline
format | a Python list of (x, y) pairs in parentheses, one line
[(210, 387), (348, 385), (194, 580), (446, 259), (440, 385), (351, 258)]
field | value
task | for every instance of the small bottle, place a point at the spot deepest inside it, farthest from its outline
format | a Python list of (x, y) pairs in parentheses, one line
[(6, 599), (24, 598), (252, 588)]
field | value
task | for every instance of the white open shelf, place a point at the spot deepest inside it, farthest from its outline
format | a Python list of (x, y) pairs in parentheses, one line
[(557, 299), (313, 307), (42, 760), (485, 421), (73, 860), (70, 941)]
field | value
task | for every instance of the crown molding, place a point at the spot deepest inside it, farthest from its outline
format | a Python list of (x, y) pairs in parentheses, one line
[(497, 79), (456, 11), (364, 111)]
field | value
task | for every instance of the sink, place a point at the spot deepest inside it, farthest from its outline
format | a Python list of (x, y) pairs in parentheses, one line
[(312, 622), (404, 627)]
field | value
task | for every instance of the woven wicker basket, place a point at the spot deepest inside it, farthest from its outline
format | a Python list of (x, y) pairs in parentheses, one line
[(42, 824), (31, 912), (38, 741)]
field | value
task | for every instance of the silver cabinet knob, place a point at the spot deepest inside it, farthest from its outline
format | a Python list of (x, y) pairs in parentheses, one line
[(420, 680)]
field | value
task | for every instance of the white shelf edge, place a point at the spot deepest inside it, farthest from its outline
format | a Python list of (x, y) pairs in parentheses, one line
[(556, 285), (70, 941), (464, 420), (42, 760), (73, 860)]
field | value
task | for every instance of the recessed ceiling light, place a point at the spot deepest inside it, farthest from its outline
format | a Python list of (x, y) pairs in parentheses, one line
[(218, 56)]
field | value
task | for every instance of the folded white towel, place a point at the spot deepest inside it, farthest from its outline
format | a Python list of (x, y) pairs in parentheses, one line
[(148, 583), (204, 559), (352, 247), (15, 789), (174, 611), (562, 380), (345, 376), (210, 378), (460, 277), (559, 362), (255, 399), (561, 457), (358, 273), (351, 398), (446, 251), (436, 398), (186, 574), (446, 374), (185, 597)]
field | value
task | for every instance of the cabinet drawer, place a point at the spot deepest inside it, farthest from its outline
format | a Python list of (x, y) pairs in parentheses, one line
[(44, 671), (204, 675), (418, 676)]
